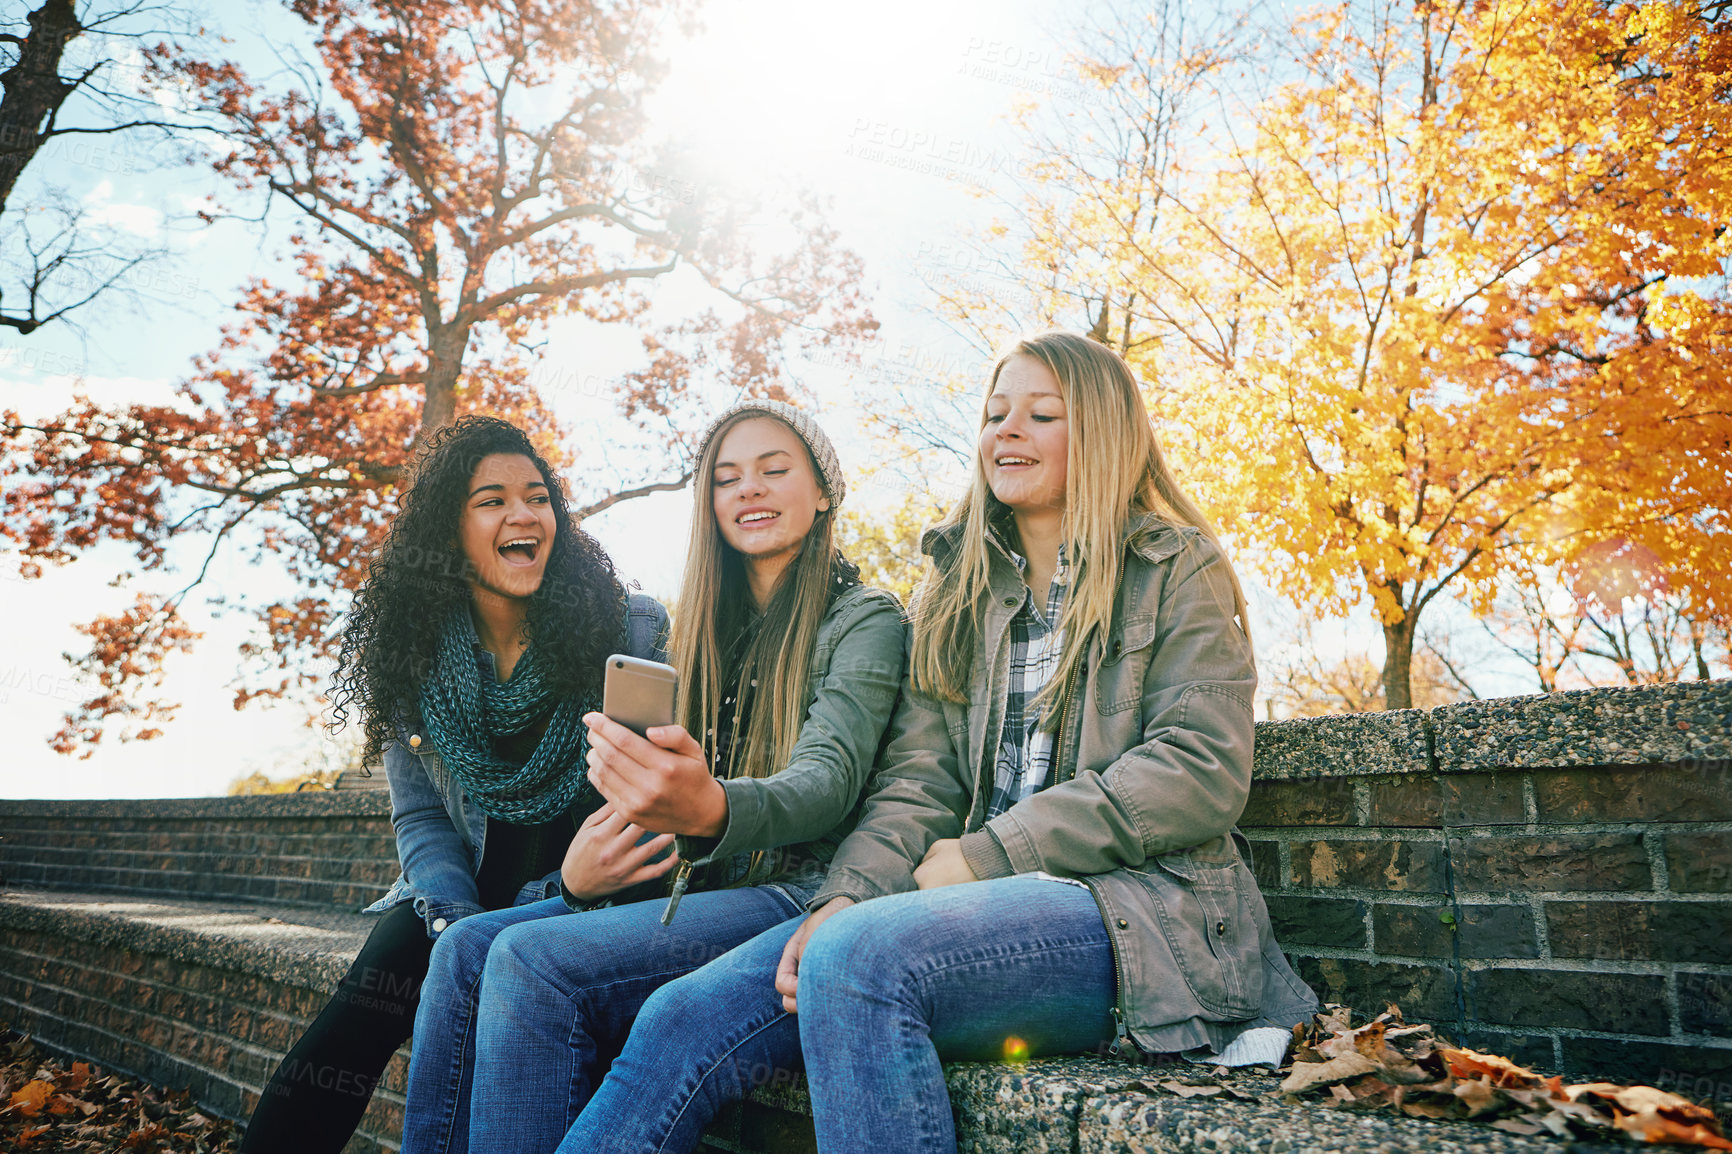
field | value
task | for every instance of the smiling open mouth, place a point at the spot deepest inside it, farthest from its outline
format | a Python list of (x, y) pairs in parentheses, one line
[(1002, 462), (521, 551), (756, 518)]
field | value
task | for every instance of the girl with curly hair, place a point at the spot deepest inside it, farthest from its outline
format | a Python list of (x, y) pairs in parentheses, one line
[(788, 671), (472, 653)]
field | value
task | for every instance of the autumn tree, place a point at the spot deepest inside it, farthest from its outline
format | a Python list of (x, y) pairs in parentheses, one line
[(1609, 616), (1420, 289), (456, 175), (73, 89)]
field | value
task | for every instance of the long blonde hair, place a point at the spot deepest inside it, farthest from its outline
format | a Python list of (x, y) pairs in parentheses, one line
[(1114, 471), (714, 606)]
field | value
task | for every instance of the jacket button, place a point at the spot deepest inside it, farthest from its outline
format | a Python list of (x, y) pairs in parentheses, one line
[(1118, 648), (1220, 928), (439, 925), (1124, 925)]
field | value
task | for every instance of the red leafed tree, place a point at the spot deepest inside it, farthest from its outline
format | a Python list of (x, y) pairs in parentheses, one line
[(459, 173)]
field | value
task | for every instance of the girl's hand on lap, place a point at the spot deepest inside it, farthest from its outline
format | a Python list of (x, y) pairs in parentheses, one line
[(943, 865), (605, 857), (659, 782), (788, 973)]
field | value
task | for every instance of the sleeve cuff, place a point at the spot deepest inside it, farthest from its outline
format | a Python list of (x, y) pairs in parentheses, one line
[(985, 856), (442, 915), (578, 905)]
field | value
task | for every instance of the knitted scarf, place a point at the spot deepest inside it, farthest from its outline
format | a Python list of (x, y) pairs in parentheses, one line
[(464, 713)]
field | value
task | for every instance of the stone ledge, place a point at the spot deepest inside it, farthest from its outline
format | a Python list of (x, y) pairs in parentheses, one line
[(310, 948), (1103, 1106), (1649, 724), (1349, 745), (309, 803)]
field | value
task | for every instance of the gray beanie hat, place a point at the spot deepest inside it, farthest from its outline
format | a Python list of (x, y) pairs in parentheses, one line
[(823, 452)]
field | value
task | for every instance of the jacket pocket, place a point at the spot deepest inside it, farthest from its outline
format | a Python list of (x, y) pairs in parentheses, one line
[(1211, 928), (1124, 660)]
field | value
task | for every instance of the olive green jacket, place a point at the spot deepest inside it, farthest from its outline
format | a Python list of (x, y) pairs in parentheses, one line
[(800, 814), (1152, 766)]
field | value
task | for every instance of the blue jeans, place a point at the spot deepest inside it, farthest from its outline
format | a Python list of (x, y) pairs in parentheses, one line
[(436, 1116), (977, 972), (699, 1042), (553, 1004)]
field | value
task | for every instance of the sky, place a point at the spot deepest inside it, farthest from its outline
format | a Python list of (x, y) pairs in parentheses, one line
[(898, 117)]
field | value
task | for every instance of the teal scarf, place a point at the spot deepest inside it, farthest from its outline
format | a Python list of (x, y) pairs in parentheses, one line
[(465, 712)]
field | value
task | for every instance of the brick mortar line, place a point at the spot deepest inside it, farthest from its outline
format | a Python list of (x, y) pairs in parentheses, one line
[(1487, 830), (269, 1057), (111, 1066), (124, 1041), (145, 1016), (1430, 899), (1561, 965), (221, 1001)]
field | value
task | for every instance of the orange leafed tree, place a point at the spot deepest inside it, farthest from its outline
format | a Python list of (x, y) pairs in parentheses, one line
[(458, 174), (1443, 289)]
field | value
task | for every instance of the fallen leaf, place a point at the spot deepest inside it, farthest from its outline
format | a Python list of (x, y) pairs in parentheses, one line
[(1187, 1091), (28, 1098), (1309, 1074), (1478, 1096)]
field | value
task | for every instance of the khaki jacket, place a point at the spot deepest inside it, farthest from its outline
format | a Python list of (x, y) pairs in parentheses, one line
[(1152, 767)]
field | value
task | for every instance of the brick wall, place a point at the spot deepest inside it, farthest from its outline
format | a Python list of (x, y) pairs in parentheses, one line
[(177, 1010), (1549, 877), (315, 848)]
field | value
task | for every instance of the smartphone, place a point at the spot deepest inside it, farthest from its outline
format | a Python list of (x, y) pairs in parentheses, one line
[(638, 693)]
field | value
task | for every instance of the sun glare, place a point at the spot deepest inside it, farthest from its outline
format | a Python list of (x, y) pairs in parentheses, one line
[(768, 89)]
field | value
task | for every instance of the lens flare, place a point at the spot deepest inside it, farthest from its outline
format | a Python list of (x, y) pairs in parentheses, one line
[(1015, 1049)]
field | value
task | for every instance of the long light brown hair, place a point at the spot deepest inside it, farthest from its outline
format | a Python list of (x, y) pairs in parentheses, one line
[(1114, 471), (715, 605)]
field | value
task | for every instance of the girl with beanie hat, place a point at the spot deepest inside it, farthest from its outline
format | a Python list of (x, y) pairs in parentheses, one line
[(724, 822)]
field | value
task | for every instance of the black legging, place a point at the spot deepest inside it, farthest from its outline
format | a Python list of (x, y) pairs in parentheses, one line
[(317, 1096)]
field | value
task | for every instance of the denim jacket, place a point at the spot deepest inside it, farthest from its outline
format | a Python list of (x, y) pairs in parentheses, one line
[(440, 833), (1152, 767)]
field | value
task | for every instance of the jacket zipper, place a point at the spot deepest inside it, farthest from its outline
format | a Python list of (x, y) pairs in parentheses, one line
[(1121, 1032), (682, 877)]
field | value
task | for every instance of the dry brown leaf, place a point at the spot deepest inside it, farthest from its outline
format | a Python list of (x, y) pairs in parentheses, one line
[(1465, 1063), (1308, 1075), (1657, 1128), (1478, 1096), (1187, 1091)]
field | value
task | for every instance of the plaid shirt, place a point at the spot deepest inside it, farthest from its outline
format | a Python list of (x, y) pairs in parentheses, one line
[(1024, 750)]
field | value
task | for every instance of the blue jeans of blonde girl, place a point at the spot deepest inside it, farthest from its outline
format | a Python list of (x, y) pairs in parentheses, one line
[(887, 989), (522, 1009)]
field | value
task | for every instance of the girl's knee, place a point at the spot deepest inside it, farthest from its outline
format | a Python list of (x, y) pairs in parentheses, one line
[(853, 949), (459, 951)]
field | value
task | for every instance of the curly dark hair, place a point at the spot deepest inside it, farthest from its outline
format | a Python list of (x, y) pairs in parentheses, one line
[(575, 619)]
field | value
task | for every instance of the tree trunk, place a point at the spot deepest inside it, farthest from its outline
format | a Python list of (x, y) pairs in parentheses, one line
[(445, 349), (34, 89), (1398, 663)]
